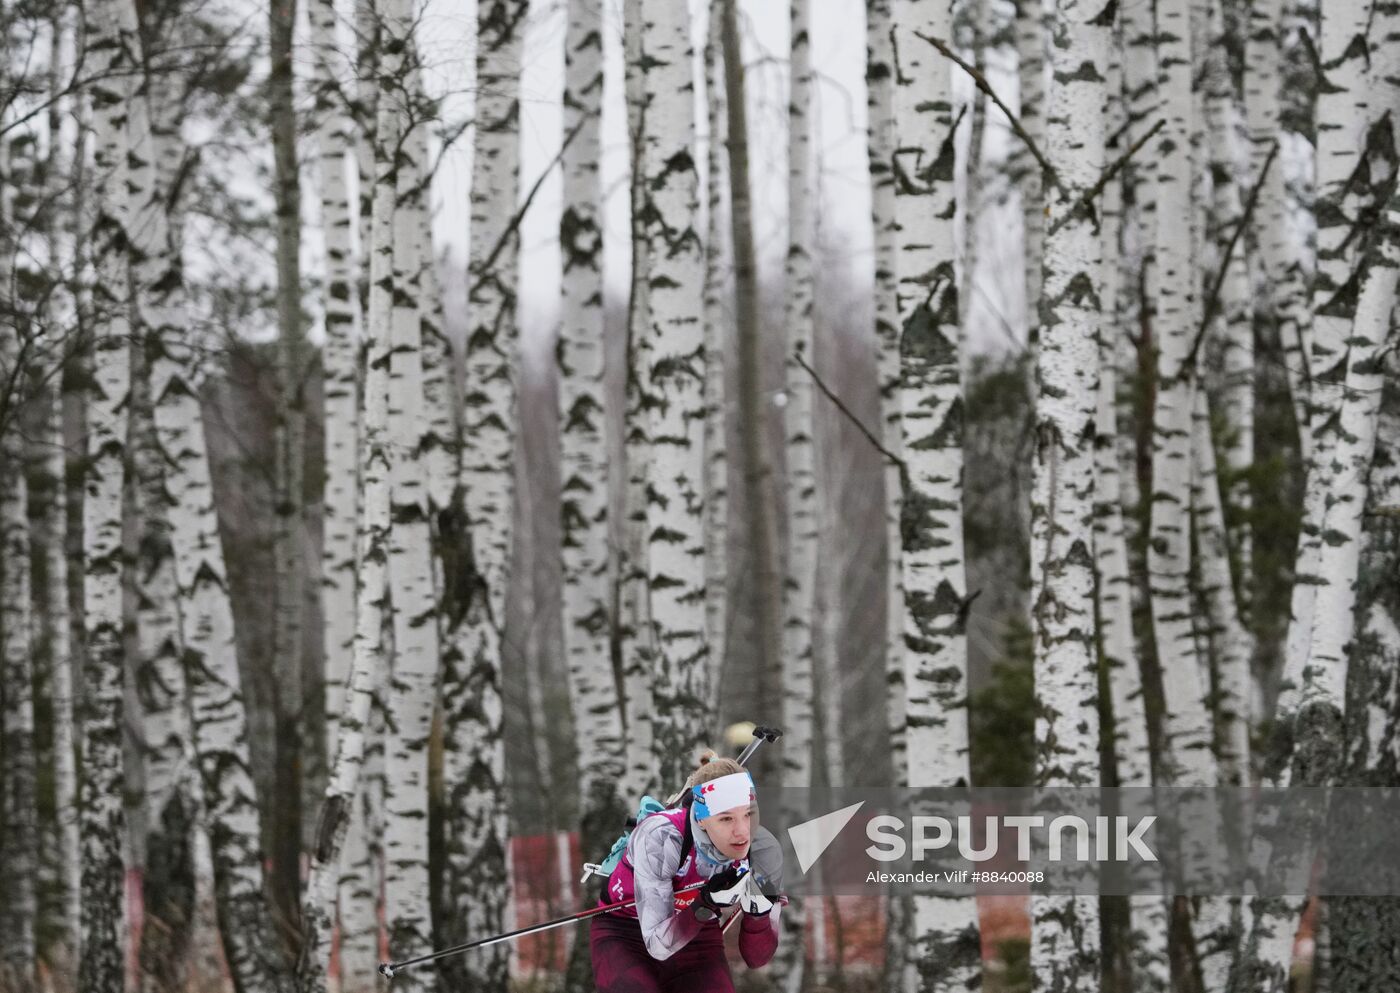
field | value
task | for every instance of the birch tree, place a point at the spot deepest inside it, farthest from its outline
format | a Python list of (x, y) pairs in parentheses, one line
[(377, 453), (19, 843), (339, 359), (1065, 952), (633, 647), (716, 442), (474, 763), (1282, 300), (412, 688), (218, 720), (676, 374), (109, 47), (945, 946), (596, 709), (1113, 586), (880, 145), (800, 585), (1343, 118)]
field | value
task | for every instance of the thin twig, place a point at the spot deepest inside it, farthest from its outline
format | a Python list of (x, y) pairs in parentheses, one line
[(1213, 298), (986, 87), (514, 224), (1107, 177), (850, 415)]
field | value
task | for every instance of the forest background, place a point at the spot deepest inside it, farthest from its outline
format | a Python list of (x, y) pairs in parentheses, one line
[(570, 409)]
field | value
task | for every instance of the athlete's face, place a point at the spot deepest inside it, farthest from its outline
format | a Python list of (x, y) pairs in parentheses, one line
[(732, 830)]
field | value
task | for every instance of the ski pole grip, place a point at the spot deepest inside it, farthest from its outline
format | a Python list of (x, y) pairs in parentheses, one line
[(386, 969)]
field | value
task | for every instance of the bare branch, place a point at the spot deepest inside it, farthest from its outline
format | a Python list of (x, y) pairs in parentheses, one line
[(1213, 298), (850, 415), (514, 225), (1092, 193), (986, 87)]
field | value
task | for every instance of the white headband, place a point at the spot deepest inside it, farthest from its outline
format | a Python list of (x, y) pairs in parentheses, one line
[(724, 793)]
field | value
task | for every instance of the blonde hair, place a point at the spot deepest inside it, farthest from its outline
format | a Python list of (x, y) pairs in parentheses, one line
[(711, 767)]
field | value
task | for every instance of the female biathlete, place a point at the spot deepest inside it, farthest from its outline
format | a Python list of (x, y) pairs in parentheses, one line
[(671, 942)]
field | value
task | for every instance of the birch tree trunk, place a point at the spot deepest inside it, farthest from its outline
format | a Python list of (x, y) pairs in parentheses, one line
[(1343, 116), (716, 392), (475, 756), (754, 456), (1065, 930), (945, 946), (1148, 955), (1359, 924), (412, 690), (880, 139), (169, 815), (19, 813), (338, 363), (109, 46), (800, 584), (1283, 300), (632, 649), (1231, 646), (1232, 316), (377, 455), (594, 702)]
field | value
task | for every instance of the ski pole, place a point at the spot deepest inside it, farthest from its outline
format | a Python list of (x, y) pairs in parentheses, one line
[(388, 969), (760, 735)]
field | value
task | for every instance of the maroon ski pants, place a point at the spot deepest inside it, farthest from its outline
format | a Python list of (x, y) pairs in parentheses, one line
[(622, 964)]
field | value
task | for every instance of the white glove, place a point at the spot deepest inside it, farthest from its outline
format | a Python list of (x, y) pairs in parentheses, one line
[(751, 900)]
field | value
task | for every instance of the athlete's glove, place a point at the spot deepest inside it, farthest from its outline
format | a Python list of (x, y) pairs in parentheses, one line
[(724, 889), (752, 900)]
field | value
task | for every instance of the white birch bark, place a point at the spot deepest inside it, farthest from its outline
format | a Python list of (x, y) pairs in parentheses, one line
[(474, 772), (801, 504), (1343, 117), (167, 809), (593, 695), (944, 932), (1232, 313), (19, 843), (1065, 930), (676, 373), (218, 720), (633, 648), (110, 49), (1186, 720), (412, 689), (880, 139), (716, 444), (1148, 913), (1348, 468), (1231, 645), (1283, 297), (377, 454), (338, 363)]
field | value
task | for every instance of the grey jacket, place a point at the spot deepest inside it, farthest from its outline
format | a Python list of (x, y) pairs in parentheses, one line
[(654, 849)]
